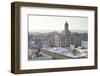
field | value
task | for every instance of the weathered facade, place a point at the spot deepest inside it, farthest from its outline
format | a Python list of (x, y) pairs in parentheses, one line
[(63, 39)]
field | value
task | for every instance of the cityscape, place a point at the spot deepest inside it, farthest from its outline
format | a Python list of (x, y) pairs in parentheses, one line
[(53, 45)]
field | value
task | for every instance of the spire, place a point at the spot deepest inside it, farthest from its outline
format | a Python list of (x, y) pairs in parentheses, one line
[(66, 26)]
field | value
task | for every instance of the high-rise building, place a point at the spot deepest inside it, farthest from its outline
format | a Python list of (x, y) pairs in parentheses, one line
[(63, 39), (67, 35), (57, 41)]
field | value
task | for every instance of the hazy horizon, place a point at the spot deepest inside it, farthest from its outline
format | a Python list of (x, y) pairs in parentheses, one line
[(52, 23), (46, 31)]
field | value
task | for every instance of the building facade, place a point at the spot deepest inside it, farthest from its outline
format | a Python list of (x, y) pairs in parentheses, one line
[(67, 36), (63, 39)]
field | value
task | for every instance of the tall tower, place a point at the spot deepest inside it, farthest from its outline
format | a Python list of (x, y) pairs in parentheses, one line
[(66, 26), (67, 36)]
